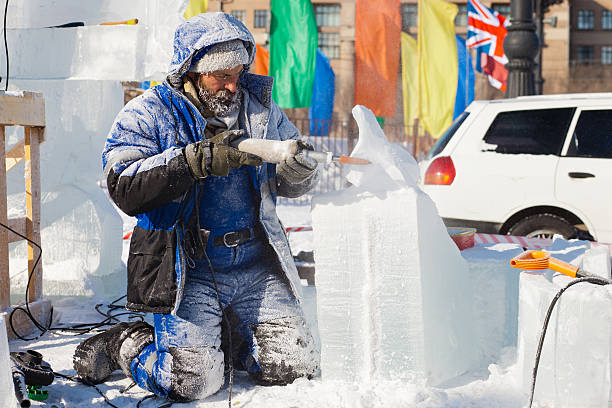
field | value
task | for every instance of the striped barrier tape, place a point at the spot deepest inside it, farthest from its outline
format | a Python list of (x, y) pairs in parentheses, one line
[(532, 243)]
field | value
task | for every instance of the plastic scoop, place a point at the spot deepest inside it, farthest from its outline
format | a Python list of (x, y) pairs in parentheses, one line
[(539, 260)]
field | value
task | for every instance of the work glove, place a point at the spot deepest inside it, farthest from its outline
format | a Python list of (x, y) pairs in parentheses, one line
[(215, 156), (299, 167)]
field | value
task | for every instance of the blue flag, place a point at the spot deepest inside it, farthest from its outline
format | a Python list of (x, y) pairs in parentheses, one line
[(322, 106), (465, 79)]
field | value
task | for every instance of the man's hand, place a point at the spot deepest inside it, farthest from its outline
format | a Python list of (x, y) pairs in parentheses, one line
[(215, 156), (299, 167)]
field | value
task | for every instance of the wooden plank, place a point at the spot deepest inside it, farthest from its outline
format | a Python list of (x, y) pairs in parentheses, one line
[(41, 310), (22, 108), (19, 225), (14, 156), (32, 187), (5, 281)]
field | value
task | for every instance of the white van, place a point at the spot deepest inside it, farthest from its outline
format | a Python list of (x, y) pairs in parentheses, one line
[(531, 166)]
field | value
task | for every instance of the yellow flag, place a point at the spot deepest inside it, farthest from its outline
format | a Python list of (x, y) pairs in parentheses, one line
[(437, 54), (409, 79), (196, 7)]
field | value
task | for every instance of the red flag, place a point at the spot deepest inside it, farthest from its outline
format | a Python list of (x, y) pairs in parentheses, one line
[(378, 25), (497, 72), (262, 60)]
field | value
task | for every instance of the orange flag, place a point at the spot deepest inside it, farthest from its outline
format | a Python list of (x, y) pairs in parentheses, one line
[(262, 60), (378, 25)]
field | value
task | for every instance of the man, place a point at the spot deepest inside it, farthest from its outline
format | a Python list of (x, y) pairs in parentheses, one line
[(208, 248)]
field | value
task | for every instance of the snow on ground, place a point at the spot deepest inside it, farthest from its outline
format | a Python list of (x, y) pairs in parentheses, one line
[(495, 388)]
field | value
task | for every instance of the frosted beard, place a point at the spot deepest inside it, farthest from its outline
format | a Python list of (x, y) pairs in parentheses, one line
[(221, 104)]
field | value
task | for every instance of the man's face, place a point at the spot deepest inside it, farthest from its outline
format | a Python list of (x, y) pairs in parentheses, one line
[(218, 90)]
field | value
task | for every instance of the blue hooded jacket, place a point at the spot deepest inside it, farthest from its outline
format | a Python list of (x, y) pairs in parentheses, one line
[(148, 176)]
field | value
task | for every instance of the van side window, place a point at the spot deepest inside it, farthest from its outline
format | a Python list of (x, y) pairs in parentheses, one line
[(593, 135), (537, 131)]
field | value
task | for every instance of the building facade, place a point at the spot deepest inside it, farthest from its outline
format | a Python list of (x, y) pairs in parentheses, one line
[(576, 52)]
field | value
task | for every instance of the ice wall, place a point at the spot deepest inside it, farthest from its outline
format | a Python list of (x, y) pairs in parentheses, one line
[(81, 231), (7, 393), (120, 52), (574, 369), (79, 71), (393, 292)]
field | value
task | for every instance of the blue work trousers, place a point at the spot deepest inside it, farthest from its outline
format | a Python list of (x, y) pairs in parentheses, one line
[(185, 361)]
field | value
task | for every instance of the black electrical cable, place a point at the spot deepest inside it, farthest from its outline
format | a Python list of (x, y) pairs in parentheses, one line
[(225, 319), (590, 279), (164, 405), (78, 380), (229, 331), (6, 46), (80, 328)]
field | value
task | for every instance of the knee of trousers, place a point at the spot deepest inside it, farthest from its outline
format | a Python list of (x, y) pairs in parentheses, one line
[(195, 372), (284, 350)]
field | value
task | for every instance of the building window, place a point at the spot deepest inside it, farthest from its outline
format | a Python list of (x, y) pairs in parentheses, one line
[(410, 16), (329, 44), (586, 19), (240, 15), (261, 18), (585, 54), (327, 15), (606, 54), (606, 20), (503, 9)]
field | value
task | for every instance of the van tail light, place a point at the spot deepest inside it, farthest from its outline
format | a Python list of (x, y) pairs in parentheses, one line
[(441, 171)]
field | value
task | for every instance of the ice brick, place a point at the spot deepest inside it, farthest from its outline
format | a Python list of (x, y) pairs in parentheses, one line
[(495, 298), (574, 369), (393, 292), (139, 52)]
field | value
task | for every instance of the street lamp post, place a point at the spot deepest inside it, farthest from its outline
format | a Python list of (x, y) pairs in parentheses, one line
[(521, 45)]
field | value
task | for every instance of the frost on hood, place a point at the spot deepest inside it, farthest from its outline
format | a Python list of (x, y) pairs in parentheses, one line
[(198, 34)]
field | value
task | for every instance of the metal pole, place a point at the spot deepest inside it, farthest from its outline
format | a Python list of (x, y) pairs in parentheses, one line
[(539, 83), (521, 45)]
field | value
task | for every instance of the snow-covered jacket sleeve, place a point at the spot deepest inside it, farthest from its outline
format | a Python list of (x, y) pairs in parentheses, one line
[(287, 130), (144, 169)]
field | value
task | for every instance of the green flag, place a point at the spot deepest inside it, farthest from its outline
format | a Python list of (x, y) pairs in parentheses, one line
[(293, 52)]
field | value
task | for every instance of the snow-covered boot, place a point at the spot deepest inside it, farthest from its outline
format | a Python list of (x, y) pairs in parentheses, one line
[(284, 350), (98, 356)]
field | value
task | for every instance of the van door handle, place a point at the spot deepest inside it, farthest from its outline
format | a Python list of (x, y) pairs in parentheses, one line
[(579, 175)]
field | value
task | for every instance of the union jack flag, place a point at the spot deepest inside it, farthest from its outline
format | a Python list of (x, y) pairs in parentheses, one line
[(486, 32)]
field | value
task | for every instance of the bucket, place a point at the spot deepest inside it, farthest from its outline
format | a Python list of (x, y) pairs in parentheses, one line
[(463, 237)]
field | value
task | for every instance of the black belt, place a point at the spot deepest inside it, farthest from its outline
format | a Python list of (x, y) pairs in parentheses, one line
[(235, 238)]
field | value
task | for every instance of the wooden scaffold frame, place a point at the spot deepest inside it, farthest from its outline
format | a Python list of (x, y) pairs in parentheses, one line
[(26, 109)]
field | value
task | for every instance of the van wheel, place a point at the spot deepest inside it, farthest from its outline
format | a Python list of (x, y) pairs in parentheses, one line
[(543, 226)]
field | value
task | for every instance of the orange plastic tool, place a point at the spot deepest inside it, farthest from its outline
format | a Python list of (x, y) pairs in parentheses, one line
[(539, 260), (132, 21)]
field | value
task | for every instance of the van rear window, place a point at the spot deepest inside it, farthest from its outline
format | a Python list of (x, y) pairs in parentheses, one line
[(535, 131), (447, 135)]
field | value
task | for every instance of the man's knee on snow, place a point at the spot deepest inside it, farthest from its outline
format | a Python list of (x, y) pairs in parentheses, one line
[(284, 350), (196, 372)]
